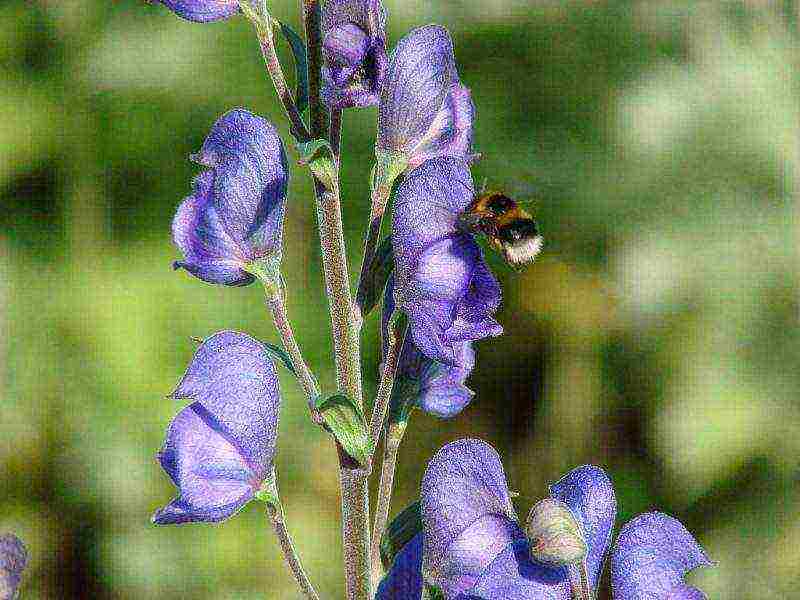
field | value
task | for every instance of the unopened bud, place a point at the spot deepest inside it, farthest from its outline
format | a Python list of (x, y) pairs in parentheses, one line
[(554, 534)]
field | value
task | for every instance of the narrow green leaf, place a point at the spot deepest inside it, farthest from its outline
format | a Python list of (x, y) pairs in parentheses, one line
[(345, 421), (300, 65), (281, 355), (401, 530), (377, 274)]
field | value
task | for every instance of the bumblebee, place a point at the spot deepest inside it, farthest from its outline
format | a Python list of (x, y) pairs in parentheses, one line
[(509, 229)]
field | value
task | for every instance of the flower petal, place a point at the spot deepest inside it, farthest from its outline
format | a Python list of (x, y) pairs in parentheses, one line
[(234, 378), (203, 11), (651, 555), (443, 392), (404, 579), (589, 494), (685, 592), (420, 76), (13, 560), (467, 515), (207, 465), (211, 254), (513, 576)]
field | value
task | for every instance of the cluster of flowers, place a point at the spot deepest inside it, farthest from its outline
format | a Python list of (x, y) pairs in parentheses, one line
[(219, 449)]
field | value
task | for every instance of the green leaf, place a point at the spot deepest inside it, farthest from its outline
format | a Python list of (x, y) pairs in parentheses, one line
[(281, 355), (373, 283), (300, 65), (318, 155), (401, 530), (345, 421)]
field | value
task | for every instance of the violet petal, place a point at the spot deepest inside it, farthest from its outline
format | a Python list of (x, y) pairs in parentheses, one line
[(203, 11)]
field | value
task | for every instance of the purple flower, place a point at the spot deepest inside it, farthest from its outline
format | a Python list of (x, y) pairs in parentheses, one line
[(354, 48), (424, 110), (403, 582), (473, 546), (219, 450), (651, 555), (203, 11), (442, 282), (235, 214), (422, 382), (13, 559)]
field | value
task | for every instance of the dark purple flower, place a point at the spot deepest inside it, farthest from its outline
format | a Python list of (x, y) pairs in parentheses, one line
[(13, 559), (219, 450), (354, 48), (203, 11), (422, 382), (403, 582), (235, 214), (424, 110), (442, 282), (651, 555)]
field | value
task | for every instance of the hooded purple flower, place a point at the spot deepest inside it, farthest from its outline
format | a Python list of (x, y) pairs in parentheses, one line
[(354, 48), (473, 546), (219, 450), (442, 282), (203, 11), (13, 559), (652, 554), (424, 110), (235, 214), (422, 382)]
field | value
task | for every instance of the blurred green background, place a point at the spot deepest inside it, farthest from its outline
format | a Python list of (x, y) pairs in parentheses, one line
[(656, 336)]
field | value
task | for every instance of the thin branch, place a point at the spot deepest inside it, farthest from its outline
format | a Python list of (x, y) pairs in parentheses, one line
[(394, 435), (396, 337), (278, 521)]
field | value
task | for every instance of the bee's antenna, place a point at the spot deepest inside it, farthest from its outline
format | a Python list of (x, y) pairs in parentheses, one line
[(483, 186)]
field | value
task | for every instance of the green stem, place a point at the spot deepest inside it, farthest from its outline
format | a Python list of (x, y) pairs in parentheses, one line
[(263, 25), (353, 479), (379, 198), (394, 435), (278, 521), (396, 337)]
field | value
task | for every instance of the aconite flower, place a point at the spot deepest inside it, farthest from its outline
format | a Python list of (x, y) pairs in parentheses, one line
[(203, 11), (219, 449), (424, 110), (13, 560), (442, 282), (234, 216), (421, 382), (354, 51), (473, 545)]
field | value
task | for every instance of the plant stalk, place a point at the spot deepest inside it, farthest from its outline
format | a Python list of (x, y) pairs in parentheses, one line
[(353, 479)]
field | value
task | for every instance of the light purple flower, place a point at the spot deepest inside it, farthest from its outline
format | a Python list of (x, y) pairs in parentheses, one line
[(652, 554), (203, 11), (473, 546), (13, 560), (421, 382), (424, 110), (235, 214), (354, 49), (219, 450), (442, 282)]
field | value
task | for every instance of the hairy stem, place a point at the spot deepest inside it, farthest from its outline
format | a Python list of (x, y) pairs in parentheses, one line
[(353, 479), (579, 581), (276, 304), (394, 435), (396, 337), (276, 518), (263, 24)]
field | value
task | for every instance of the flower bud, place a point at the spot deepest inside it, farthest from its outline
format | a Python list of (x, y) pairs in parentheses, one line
[(554, 534)]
